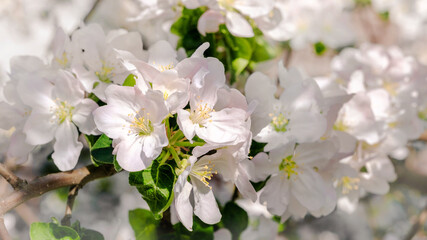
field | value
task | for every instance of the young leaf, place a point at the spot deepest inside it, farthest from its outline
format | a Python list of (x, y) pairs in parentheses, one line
[(101, 151), (130, 81), (143, 224), (320, 48), (235, 219), (52, 231), (156, 186)]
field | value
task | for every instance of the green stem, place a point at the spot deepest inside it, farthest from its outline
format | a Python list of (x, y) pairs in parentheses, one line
[(188, 144), (165, 158), (177, 136), (168, 130), (175, 156)]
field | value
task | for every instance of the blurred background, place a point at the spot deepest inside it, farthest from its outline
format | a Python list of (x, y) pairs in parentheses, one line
[(27, 28)]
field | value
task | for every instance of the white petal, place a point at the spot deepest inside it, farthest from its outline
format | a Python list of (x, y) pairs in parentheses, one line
[(129, 152), (19, 148), (83, 117), (307, 126), (185, 124), (112, 121), (245, 187), (205, 206), (209, 22), (67, 148), (237, 25), (40, 128), (162, 55), (308, 189), (276, 195), (183, 206)]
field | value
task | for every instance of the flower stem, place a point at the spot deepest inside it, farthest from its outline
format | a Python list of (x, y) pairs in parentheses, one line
[(188, 144), (177, 136), (165, 158), (175, 155)]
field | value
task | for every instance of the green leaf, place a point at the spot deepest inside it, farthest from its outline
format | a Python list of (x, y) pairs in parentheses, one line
[(116, 165), (256, 147), (101, 151), (239, 64), (52, 231), (156, 186), (86, 234), (143, 224), (320, 48), (200, 231), (130, 81), (235, 219)]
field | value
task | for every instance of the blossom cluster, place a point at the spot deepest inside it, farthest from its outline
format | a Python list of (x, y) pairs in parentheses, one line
[(314, 143)]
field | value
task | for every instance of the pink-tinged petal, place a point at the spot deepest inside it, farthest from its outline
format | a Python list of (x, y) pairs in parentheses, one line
[(130, 42), (183, 206), (40, 128), (185, 124), (129, 152), (83, 117), (162, 55), (148, 72), (67, 148), (237, 25), (205, 206), (209, 22)]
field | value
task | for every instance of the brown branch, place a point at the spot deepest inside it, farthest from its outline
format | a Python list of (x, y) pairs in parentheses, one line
[(50, 182), (4, 234), (13, 180), (72, 194)]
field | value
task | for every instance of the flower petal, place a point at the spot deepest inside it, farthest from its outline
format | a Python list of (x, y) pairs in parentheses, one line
[(67, 148)]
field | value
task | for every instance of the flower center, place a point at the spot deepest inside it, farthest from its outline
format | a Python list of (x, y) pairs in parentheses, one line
[(391, 88), (141, 124), (63, 111), (203, 172), (63, 61), (279, 122), (340, 126), (288, 166), (227, 4), (105, 73), (201, 114), (348, 184)]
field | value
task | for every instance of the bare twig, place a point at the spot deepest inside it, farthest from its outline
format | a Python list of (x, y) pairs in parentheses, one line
[(50, 182), (72, 194), (13, 180), (287, 57), (421, 219), (4, 234)]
